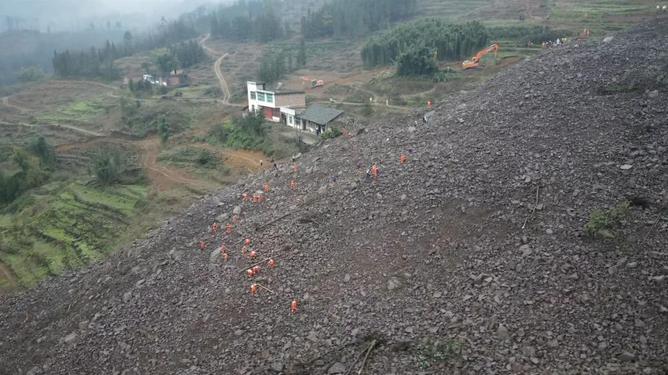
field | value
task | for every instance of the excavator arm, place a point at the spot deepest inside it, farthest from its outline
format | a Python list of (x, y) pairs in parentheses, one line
[(475, 60)]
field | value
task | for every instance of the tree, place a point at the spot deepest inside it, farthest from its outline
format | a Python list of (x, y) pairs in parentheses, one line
[(163, 130), (417, 61), (108, 165), (127, 42), (40, 147), (219, 133), (188, 53), (448, 41), (31, 74), (167, 63), (301, 57), (353, 18)]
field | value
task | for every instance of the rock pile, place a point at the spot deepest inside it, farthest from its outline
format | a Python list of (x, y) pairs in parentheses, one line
[(525, 233)]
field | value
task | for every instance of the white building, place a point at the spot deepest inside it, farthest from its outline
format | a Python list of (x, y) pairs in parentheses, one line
[(277, 106)]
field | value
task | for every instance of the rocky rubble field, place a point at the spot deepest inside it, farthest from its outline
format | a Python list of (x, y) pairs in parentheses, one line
[(526, 233)]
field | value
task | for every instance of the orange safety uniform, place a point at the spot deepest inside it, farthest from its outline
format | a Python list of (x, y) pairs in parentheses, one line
[(375, 171)]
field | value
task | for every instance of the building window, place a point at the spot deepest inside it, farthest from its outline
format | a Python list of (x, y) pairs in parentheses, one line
[(253, 96), (291, 120), (260, 96), (270, 98)]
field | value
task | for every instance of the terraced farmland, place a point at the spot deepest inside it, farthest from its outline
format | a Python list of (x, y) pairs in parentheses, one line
[(65, 226)]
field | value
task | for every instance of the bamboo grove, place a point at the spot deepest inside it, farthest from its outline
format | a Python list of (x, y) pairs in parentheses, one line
[(446, 41)]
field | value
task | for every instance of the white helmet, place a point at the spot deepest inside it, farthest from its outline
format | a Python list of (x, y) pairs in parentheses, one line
[(665, 7)]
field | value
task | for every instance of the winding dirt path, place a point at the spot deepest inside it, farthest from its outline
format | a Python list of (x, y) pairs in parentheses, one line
[(217, 68), (375, 104), (163, 177), (73, 128)]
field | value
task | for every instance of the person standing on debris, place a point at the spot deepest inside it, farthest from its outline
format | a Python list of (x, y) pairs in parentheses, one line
[(375, 171)]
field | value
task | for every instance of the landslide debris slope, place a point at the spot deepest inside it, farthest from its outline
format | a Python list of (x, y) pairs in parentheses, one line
[(471, 258)]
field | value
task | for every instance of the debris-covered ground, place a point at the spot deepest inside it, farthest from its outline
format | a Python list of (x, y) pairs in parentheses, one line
[(526, 232)]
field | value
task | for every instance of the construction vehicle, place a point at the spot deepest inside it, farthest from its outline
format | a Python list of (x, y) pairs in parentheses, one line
[(314, 82), (475, 60)]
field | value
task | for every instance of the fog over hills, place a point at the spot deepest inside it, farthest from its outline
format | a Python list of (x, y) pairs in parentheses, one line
[(76, 14)]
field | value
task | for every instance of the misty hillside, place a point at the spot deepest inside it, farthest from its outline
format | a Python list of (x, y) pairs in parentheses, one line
[(524, 232)]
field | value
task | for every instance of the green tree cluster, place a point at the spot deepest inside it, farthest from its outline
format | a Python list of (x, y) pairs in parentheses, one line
[(188, 53), (274, 65), (447, 41), (108, 166), (416, 61), (93, 63), (246, 132), (99, 62), (34, 166), (354, 18), (31, 74)]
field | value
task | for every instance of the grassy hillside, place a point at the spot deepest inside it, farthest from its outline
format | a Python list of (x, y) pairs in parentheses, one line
[(65, 225)]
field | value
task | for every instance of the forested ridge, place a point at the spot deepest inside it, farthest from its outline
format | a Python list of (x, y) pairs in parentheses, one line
[(355, 18), (247, 20), (98, 63)]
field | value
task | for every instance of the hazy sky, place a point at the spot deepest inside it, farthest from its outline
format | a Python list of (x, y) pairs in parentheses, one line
[(68, 13)]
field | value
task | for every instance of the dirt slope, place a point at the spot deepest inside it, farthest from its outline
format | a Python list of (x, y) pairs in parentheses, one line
[(469, 259)]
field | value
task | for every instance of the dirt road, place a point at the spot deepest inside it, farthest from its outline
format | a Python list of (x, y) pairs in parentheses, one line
[(217, 68), (73, 128), (239, 159), (161, 176), (375, 104)]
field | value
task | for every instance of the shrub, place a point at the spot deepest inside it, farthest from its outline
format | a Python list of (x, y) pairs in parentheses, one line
[(601, 223), (108, 165), (31, 74), (29, 176), (431, 353), (331, 133), (246, 132), (367, 109), (163, 130), (206, 159), (40, 147), (218, 133)]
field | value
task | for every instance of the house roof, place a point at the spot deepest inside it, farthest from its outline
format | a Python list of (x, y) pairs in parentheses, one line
[(320, 115), (279, 93)]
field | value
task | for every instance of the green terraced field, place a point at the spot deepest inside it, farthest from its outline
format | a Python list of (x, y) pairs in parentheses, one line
[(66, 226), (77, 113), (453, 10)]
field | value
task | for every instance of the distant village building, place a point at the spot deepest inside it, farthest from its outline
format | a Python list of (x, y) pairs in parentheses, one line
[(289, 108), (316, 118), (277, 106)]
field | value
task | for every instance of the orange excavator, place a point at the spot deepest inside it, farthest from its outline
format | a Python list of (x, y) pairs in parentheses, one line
[(475, 60), (314, 82)]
